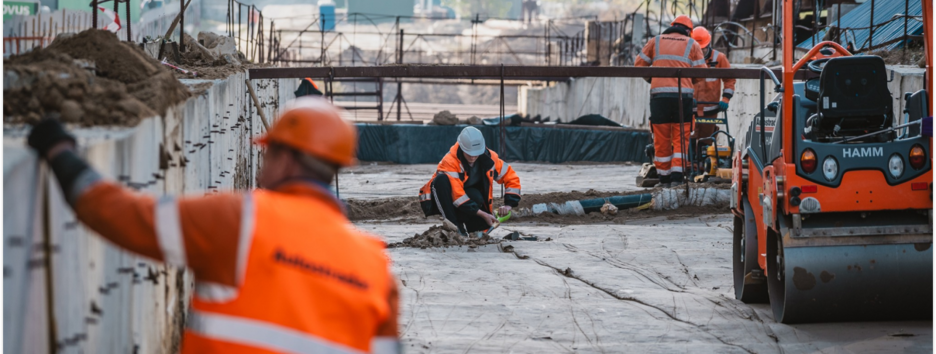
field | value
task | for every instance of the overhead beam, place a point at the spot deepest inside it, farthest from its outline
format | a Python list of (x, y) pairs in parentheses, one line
[(535, 73)]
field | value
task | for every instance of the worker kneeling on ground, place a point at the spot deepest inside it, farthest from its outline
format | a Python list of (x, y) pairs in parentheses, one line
[(462, 189), (279, 269), (710, 90), (675, 49)]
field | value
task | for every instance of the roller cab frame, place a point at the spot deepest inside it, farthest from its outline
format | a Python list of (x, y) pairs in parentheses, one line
[(832, 195)]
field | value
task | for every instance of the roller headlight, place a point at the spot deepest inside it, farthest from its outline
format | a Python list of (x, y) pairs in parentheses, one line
[(829, 168), (895, 165)]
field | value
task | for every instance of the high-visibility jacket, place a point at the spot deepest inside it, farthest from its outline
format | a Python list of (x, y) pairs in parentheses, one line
[(279, 271), (672, 50), (710, 90), (496, 170)]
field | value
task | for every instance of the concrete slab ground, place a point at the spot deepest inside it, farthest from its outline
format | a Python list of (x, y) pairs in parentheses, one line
[(658, 284)]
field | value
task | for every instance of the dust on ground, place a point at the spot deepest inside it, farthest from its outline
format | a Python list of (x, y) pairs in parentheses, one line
[(91, 78), (444, 236)]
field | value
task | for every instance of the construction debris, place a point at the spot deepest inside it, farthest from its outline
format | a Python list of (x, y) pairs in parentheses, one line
[(444, 118), (609, 209), (92, 78), (212, 56), (446, 236)]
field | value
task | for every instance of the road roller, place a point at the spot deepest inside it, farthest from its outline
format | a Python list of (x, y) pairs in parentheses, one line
[(832, 191)]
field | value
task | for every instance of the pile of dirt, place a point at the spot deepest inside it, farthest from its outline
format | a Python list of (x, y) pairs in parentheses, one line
[(217, 59), (387, 208), (91, 78), (444, 236), (910, 56), (444, 118)]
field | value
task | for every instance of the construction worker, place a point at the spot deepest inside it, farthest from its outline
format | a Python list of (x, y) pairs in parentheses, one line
[(462, 188), (277, 270), (307, 87), (674, 48), (711, 90)]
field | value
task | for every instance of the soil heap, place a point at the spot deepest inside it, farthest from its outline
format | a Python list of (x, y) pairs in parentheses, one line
[(445, 235), (218, 58), (91, 78)]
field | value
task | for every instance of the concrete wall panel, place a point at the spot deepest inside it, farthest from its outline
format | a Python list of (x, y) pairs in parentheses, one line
[(627, 100), (105, 300)]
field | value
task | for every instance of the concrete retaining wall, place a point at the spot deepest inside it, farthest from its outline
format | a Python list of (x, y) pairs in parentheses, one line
[(627, 100), (84, 293)]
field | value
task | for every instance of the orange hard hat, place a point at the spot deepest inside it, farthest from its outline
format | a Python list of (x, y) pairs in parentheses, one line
[(313, 126), (682, 20), (702, 35)]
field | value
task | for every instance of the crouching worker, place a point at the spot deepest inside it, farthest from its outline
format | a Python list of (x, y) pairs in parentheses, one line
[(462, 189)]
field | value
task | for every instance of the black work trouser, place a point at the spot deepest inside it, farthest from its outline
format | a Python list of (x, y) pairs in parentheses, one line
[(442, 203)]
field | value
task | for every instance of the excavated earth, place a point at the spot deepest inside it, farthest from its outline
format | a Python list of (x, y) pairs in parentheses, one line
[(90, 78), (444, 236)]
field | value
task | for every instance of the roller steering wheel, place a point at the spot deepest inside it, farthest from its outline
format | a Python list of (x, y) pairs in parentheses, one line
[(817, 65)]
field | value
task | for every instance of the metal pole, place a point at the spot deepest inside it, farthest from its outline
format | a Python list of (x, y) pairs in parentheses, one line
[(129, 21), (399, 92), (503, 135), (239, 37), (94, 11), (871, 33), (839, 23), (181, 24), (682, 141), (906, 15), (322, 56), (754, 28)]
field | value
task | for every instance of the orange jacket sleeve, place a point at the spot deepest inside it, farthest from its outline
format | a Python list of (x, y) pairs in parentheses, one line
[(504, 174), (697, 59), (645, 57), (729, 84), (200, 233)]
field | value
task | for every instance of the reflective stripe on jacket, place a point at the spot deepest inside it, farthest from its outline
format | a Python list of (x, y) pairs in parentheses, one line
[(673, 51), (710, 90), (279, 271), (495, 169)]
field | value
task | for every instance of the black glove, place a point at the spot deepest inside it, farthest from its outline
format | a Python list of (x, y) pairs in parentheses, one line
[(46, 134)]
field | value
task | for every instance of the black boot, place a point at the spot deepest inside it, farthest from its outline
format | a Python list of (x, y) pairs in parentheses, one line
[(676, 179), (664, 181)]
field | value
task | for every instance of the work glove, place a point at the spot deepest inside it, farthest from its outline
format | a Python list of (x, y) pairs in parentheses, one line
[(46, 134), (723, 106)]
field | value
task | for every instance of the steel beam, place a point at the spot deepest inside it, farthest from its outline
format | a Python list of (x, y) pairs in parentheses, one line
[(536, 73)]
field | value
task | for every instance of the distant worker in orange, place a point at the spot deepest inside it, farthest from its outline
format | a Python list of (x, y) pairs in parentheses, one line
[(307, 87), (711, 90), (462, 188), (277, 270), (675, 48)]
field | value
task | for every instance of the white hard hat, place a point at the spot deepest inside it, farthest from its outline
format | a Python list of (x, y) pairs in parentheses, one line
[(471, 141)]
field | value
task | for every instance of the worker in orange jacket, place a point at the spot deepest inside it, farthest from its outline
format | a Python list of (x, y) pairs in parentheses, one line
[(277, 270), (711, 90), (307, 87), (462, 188), (675, 48)]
